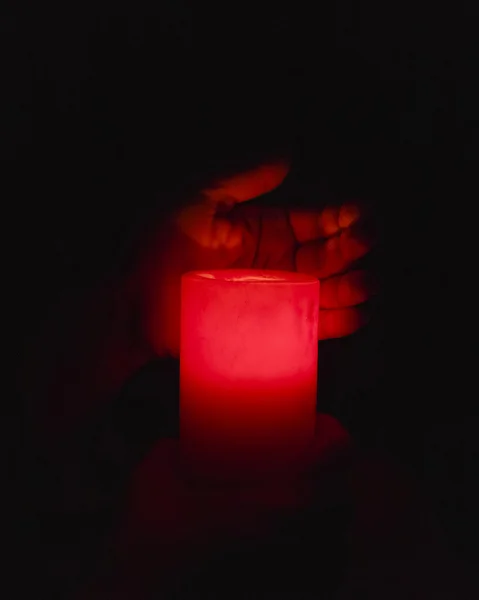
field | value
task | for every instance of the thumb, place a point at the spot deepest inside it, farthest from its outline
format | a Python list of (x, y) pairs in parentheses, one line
[(206, 221), (202, 224), (249, 184)]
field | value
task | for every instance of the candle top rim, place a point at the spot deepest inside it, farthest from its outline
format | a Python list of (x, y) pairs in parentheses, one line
[(260, 276)]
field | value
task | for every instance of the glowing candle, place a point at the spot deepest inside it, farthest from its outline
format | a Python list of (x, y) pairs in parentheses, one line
[(248, 370)]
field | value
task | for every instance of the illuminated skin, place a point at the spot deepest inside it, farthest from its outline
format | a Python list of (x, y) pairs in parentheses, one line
[(222, 229), (85, 354), (99, 340)]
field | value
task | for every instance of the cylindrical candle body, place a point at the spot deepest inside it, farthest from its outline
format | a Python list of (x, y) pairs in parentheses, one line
[(248, 370)]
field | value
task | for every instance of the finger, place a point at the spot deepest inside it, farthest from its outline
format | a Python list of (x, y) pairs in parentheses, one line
[(347, 290), (313, 225), (325, 258), (199, 223), (340, 322), (330, 441), (249, 184)]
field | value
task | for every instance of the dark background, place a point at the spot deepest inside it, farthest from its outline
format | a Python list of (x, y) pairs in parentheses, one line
[(377, 100)]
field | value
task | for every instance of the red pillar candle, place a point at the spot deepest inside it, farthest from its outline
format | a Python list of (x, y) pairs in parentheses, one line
[(248, 370)]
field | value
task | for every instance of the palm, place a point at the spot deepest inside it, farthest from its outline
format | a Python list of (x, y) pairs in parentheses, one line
[(223, 230)]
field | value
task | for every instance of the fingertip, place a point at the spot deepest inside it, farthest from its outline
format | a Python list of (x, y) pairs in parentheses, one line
[(348, 214), (275, 172), (338, 323), (356, 287), (329, 221), (355, 244), (250, 184)]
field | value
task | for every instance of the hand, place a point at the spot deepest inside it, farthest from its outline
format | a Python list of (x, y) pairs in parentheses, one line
[(93, 341), (172, 529), (222, 229)]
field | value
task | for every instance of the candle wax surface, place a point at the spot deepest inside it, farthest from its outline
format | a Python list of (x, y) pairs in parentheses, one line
[(248, 371)]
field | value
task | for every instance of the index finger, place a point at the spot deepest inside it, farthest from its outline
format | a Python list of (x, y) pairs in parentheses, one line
[(250, 184)]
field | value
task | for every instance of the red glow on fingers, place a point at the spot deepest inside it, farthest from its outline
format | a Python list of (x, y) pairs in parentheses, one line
[(250, 184), (347, 290), (348, 215), (340, 322), (355, 243), (313, 225), (323, 258)]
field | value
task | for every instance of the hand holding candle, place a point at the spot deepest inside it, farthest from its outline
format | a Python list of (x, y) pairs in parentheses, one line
[(107, 332), (221, 229)]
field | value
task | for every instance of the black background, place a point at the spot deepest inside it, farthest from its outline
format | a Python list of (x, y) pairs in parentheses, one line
[(107, 114)]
